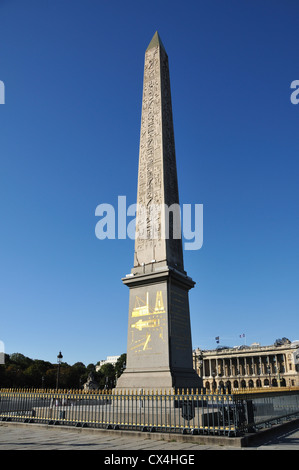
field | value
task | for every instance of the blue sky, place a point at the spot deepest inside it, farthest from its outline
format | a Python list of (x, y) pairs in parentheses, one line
[(69, 141)]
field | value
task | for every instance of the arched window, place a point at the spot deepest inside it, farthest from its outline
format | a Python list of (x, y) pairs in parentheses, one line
[(228, 386), (221, 386)]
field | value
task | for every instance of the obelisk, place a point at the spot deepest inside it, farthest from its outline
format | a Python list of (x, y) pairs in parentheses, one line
[(159, 348)]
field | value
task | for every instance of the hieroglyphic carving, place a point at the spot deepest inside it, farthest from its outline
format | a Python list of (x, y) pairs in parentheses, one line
[(150, 157), (157, 177), (174, 246)]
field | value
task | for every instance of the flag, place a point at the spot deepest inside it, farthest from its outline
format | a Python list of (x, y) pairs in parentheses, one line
[(242, 336)]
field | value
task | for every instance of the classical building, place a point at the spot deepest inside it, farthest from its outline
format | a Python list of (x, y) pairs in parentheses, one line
[(110, 360), (252, 366)]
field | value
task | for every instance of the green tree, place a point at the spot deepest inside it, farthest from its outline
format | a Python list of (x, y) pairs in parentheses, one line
[(120, 365), (108, 374), (50, 377), (20, 360), (14, 376), (78, 375)]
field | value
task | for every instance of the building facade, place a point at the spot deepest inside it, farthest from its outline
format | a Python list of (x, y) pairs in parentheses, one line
[(252, 366), (110, 360)]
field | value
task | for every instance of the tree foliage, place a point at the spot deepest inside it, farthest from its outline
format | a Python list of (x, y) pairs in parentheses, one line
[(20, 371)]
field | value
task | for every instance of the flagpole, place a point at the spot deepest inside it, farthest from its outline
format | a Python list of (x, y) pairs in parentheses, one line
[(243, 336)]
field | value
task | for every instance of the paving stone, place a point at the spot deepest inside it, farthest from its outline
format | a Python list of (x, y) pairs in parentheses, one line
[(14, 436)]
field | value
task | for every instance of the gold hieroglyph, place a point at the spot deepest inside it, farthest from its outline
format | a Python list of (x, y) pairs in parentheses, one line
[(141, 309)]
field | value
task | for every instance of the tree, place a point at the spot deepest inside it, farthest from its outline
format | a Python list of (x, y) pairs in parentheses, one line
[(108, 374), (120, 365), (21, 371), (50, 378), (22, 361), (33, 376), (14, 376)]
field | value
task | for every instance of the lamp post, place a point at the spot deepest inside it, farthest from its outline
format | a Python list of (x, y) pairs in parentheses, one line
[(59, 358), (200, 366)]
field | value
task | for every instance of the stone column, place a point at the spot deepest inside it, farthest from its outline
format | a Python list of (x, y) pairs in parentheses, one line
[(159, 345)]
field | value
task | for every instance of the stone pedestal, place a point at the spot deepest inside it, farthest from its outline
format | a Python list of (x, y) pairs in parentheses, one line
[(159, 354)]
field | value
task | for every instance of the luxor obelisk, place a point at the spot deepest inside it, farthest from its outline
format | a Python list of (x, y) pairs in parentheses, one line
[(159, 348)]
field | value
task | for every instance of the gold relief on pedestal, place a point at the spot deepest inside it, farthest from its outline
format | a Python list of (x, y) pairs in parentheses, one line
[(147, 323)]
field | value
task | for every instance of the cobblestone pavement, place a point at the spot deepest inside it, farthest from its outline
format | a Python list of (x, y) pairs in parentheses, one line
[(15, 436)]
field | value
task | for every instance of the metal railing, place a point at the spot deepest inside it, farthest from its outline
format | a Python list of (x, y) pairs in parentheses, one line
[(267, 407), (194, 413)]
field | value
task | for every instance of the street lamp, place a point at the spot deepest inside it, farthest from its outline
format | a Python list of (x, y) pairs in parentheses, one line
[(106, 384), (59, 357)]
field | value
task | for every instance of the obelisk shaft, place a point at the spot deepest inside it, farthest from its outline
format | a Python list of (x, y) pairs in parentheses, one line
[(158, 237)]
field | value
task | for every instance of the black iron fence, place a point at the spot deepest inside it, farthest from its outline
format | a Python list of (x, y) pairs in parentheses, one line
[(194, 413)]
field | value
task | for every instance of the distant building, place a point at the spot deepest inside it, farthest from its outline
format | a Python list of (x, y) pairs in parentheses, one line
[(254, 366), (110, 360)]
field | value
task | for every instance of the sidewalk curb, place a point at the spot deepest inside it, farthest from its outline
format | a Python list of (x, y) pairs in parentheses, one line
[(158, 436), (217, 441)]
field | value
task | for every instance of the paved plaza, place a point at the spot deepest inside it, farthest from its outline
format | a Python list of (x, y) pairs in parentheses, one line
[(15, 436)]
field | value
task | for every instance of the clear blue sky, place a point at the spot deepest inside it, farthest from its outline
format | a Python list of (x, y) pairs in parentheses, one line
[(69, 140)]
